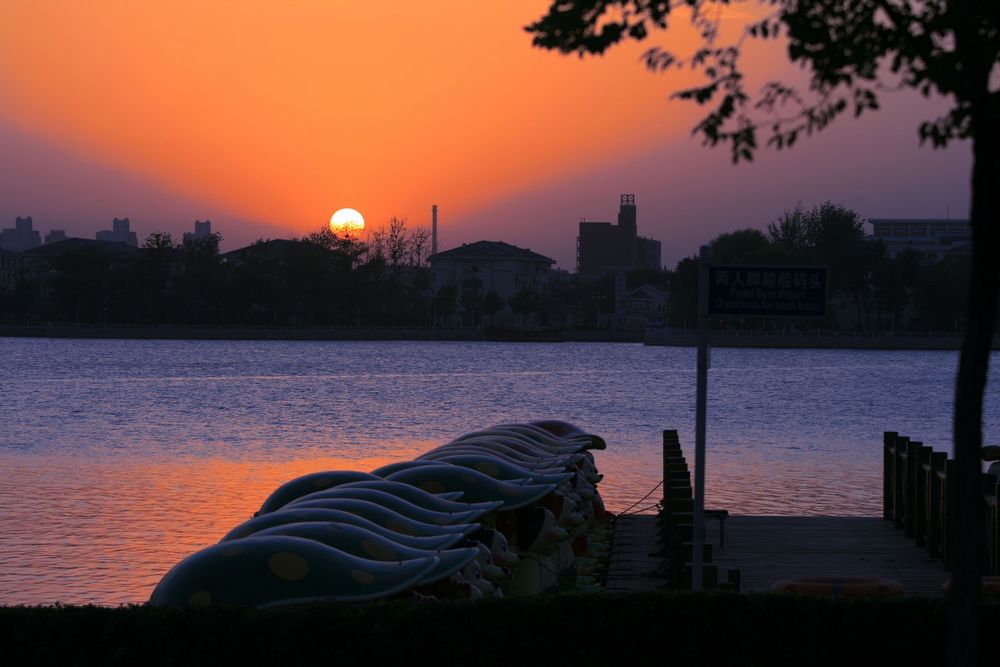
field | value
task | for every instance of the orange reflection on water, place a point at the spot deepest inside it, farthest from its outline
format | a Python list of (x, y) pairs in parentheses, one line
[(105, 533)]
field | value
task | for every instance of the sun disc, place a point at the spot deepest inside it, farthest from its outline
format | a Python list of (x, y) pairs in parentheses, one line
[(347, 220)]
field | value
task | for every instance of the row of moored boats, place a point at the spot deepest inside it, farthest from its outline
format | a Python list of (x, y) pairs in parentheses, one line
[(509, 510)]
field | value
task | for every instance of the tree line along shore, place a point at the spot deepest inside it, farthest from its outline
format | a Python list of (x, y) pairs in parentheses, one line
[(323, 281), (655, 337)]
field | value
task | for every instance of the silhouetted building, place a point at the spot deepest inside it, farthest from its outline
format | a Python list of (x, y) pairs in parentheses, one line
[(201, 230), (641, 307), (37, 265), (475, 269), (55, 236), (20, 237), (8, 268), (936, 238), (603, 247), (119, 233)]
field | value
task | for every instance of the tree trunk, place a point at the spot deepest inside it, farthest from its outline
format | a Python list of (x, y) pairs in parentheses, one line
[(966, 520)]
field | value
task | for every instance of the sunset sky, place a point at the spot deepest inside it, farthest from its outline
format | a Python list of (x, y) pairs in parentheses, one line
[(268, 116)]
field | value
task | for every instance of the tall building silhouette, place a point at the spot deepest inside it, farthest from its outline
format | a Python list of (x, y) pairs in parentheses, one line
[(55, 236), (201, 230), (602, 247), (21, 236), (119, 233)]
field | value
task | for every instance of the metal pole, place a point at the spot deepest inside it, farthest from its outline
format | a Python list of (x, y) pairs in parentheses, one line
[(434, 229), (700, 412)]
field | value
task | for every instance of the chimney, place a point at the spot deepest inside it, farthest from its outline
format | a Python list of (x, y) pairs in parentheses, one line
[(434, 229)]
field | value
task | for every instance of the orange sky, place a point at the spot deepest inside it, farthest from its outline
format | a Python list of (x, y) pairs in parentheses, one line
[(282, 112), (286, 111)]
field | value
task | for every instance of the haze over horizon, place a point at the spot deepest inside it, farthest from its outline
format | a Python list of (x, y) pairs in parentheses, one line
[(267, 118)]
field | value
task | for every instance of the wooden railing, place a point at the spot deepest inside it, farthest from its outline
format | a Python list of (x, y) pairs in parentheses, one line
[(916, 495), (676, 526)]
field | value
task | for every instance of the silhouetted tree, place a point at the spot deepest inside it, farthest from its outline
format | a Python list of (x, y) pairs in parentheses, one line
[(88, 285), (525, 302), (833, 231), (200, 281), (852, 50), (789, 230), (396, 242), (444, 303), (347, 245), (682, 312), (399, 244), (160, 243), (151, 278), (493, 303), (740, 247), (417, 247), (943, 292)]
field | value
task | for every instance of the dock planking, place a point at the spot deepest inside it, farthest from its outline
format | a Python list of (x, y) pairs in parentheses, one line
[(767, 549), (632, 563)]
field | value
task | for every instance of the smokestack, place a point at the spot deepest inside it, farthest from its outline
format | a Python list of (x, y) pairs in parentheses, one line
[(434, 229)]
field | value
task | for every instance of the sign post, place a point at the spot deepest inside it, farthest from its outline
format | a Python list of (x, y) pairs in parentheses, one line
[(755, 291), (700, 414)]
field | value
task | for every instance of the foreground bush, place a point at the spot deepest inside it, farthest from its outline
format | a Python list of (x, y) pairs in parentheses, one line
[(673, 629)]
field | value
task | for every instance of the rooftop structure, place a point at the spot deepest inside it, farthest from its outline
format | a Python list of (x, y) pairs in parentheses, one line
[(603, 247), (201, 230), (119, 233), (933, 237), (55, 236)]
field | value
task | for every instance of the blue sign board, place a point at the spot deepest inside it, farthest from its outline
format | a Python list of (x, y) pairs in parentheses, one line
[(767, 291)]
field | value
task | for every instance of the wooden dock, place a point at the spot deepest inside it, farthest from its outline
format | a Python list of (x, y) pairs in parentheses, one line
[(768, 548)]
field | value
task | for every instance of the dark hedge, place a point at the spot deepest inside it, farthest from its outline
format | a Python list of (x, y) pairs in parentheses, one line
[(674, 628)]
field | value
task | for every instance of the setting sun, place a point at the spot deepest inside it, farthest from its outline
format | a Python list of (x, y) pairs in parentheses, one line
[(347, 220)]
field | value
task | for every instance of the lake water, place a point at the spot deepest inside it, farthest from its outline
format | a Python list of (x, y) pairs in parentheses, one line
[(120, 457)]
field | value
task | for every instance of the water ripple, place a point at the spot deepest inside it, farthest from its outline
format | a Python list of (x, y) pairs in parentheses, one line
[(119, 458)]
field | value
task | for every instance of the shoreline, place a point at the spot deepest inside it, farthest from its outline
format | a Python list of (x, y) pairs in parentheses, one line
[(226, 332), (827, 340), (652, 337)]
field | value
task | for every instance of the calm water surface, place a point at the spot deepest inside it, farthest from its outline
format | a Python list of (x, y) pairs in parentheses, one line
[(118, 458)]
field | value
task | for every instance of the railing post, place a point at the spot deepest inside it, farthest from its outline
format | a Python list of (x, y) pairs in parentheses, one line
[(898, 475), (993, 529), (910, 487), (947, 491), (888, 444), (920, 494), (934, 519)]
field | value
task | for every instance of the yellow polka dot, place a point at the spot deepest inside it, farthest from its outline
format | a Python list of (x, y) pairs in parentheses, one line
[(289, 567), (362, 576), (432, 487), (379, 550), (200, 599), (400, 527), (230, 552), (488, 468)]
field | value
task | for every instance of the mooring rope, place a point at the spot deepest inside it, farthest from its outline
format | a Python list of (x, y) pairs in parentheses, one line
[(625, 511), (642, 509)]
